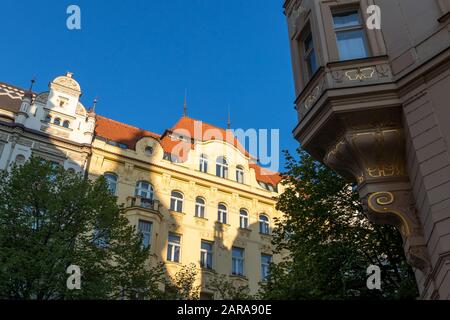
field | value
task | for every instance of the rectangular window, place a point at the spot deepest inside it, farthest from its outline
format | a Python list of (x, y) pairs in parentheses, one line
[(206, 255), (265, 263), (350, 35), (203, 165), (145, 228), (310, 54), (240, 175), (237, 267), (174, 248)]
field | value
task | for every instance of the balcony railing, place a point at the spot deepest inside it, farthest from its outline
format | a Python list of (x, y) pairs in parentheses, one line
[(145, 203)]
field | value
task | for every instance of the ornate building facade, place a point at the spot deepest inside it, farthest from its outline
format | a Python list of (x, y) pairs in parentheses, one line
[(373, 104), (194, 192)]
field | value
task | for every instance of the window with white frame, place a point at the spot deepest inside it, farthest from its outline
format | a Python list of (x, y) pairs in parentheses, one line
[(265, 264), (144, 190), (240, 174), (243, 219), (222, 213), (206, 254), (199, 207), (176, 201), (350, 35), (203, 163), (145, 228), (221, 167), (174, 248), (264, 227), (237, 264), (111, 180)]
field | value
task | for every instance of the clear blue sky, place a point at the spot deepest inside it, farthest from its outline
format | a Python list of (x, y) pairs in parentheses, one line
[(139, 56)]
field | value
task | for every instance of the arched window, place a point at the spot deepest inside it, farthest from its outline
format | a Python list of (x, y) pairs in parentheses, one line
[(66, 124), (71, 171), (203, 165), (199, 207), (111, 180), (222, 213), (144, 190), (243, 219), (176, 201), (264, 224), (57, 121), (221, 167), (48, 118), (240, 174), (20, 160)]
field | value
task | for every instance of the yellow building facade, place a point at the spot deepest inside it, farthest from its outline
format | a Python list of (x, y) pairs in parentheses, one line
[(215, 214), (194, 192)]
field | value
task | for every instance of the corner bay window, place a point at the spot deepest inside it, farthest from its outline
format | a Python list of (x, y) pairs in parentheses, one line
[(145, 228), (237, 264), (350, 35), (174, 248), (145, 191)]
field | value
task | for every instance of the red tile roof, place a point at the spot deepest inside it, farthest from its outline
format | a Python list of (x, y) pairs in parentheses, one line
[(129, 135), (121, 132), (265, 175), (198, 131)]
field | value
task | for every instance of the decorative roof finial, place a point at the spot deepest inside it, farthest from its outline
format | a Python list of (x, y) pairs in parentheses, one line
[(29, 92), (32, 84), (95, 104), (185, 104), (229, 119)]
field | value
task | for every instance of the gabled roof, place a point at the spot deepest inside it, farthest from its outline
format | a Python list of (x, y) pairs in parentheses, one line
[(188, 125)]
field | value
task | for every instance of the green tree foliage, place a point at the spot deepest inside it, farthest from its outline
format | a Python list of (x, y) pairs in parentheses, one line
[(225, 289), (50, 219), (182, 285), (331, 242)]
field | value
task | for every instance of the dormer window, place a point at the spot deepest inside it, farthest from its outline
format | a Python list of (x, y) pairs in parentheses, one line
[(222, 167)]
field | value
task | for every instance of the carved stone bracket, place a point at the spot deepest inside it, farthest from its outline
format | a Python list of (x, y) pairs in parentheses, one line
[(397, 208)]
